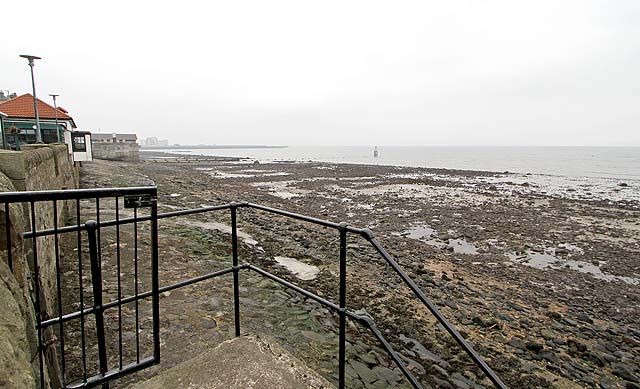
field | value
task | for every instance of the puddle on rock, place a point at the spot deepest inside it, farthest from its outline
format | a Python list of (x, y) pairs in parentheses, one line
[(461, 246), (299, 269), (281, 189), (548, 260), (420, 232), (263, 173), (424, 233), (223, 175)]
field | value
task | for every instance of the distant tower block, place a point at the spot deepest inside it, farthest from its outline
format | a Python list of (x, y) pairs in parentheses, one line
[(375, 152)]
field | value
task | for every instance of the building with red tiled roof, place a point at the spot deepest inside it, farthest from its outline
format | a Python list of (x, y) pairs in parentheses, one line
[(19, 120), (22, 107)]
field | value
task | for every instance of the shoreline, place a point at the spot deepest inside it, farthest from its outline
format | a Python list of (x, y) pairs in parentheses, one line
[(598, 163), (250, 160), (547, 286), (212, 147), (608, 191)]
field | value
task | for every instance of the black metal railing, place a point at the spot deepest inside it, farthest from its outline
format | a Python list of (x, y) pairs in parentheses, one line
[(145, 198), (55, 327)]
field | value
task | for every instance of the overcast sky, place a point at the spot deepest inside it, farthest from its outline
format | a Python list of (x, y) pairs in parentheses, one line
[(337, 73)]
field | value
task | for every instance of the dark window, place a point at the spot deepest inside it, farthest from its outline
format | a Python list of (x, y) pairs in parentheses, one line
[(49, 136), (78, 143)]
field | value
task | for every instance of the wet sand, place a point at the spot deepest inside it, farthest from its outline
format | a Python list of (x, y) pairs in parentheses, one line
[(546, 287)]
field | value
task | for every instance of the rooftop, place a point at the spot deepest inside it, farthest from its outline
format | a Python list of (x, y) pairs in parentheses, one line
[(22, 107), (109, 136)]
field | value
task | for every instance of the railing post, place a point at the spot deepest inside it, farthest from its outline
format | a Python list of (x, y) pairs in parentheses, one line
[(236, 284), (7, 227), (342, 360), (155, 284), (96, 282), (36, 284)]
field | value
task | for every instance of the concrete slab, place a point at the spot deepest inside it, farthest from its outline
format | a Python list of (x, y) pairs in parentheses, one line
[(249, 361)]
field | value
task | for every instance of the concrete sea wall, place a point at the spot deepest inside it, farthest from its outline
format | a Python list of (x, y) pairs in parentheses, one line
[(123, 151), (39, 167)]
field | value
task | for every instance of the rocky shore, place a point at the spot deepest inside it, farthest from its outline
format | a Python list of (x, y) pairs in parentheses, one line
[(546, 288)]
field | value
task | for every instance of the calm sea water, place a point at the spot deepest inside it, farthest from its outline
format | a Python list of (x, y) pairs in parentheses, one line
[(588, 173), (605, 162)]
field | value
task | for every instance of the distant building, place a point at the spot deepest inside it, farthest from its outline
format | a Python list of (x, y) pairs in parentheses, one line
[(7, 96), (153, 142), (114, 138), (18, 126), (114, 146)]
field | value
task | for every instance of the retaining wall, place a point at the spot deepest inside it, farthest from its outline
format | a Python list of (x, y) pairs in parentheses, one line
[(37, 167), (123, 151)]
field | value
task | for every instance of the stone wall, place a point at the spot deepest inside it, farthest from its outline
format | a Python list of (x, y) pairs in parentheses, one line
[(17, 323), (39, 167), (122, 151)]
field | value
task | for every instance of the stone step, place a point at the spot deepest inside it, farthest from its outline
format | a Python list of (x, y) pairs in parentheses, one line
[(248, 361)]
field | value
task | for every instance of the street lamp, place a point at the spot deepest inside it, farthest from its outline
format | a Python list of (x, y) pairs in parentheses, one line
[(30, 58), (55, 110)]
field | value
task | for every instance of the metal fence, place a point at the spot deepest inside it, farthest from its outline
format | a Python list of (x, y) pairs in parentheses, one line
[(89, 317), (86, 326)]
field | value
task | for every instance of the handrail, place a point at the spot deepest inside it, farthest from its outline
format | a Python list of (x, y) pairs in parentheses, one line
[(368, 235), (343, 228), (434, 311), (111, 223), (129, 299), (72, 194)]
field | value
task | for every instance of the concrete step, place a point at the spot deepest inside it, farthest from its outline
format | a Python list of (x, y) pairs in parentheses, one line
[(248, 361)]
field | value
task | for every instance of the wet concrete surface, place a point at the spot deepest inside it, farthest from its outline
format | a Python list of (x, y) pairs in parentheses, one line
[(242, 362)]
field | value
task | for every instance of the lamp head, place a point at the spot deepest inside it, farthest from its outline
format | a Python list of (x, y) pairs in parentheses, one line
[(30, 58)]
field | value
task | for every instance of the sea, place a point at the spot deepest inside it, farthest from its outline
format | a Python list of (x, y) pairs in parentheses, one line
[(599, 173)]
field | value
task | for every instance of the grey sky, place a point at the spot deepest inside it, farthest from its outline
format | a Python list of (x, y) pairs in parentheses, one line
[(344, 72)]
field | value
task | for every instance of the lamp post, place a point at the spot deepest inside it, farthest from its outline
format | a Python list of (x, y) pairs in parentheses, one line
[(55, 111), (30, 58)]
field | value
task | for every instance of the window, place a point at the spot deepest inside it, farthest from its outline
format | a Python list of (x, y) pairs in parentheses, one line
[(78, 143), (49, 136)]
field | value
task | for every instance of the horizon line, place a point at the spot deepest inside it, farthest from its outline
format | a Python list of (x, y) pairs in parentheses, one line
[(218, 145)]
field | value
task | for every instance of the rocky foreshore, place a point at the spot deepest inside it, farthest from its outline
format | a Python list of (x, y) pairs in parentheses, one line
[(546, 288)]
